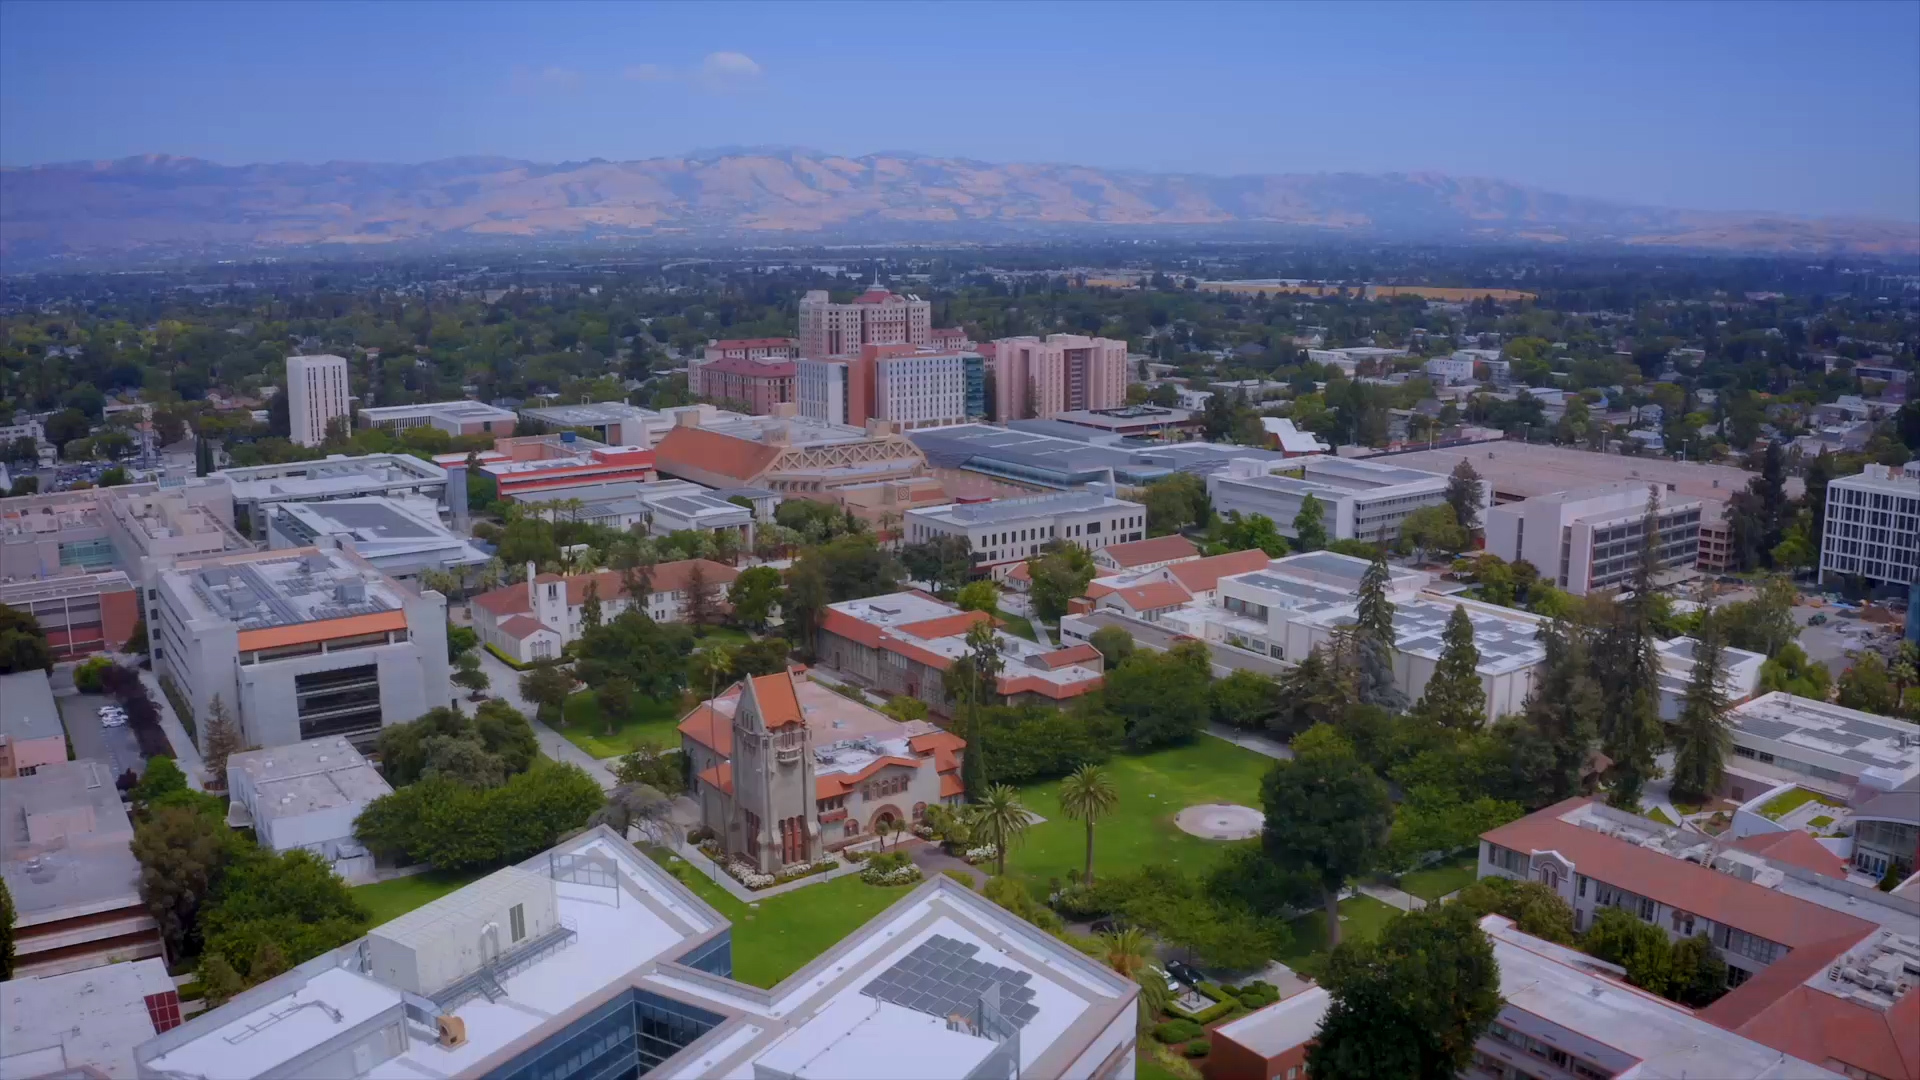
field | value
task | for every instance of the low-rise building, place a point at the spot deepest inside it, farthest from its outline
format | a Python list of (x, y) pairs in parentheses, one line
[(785, 453), (591, 960), (399, 539), (1739, 673), (786, 771), (1006, 532), (31, 734), (1378, 361), (1290, 440), (614, 423), (305, 796), (452, 417), (538, 617), (1134, 421), (66, 856), (300, 644), (902, 643), (81, 614), (1359, 500), (1451, 370), (1140, 556), (85, 1023), (258, 488), (530, 463), (1589, 540), (1873, 526), (1843, 753)]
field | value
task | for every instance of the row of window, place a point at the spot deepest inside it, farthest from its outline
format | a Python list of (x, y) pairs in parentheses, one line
[(1553, 1055)]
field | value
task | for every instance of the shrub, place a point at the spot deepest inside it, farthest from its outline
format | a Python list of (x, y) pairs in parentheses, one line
[(1198, 1048), (87, 678), (893, 868), (960, 876), (1177, 1031), (455, 826), (1257, 994)]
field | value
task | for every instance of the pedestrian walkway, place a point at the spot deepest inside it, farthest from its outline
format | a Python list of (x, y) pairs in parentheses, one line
[(1248, 740), (504, 683), (745, 895), (1393, 898), (185, 753)]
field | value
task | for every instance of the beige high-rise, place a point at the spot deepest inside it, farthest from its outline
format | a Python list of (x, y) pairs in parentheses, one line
[(316, 393), (876, 317), (1041, 378)]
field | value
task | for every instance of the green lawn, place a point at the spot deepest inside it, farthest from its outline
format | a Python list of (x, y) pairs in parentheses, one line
[(1437, 881), (651, 721), (389, 900), (1361, 919), (1782, 805), (1018, 624), (784, 932), (1660, 816), (1153, 788), (726, 636)]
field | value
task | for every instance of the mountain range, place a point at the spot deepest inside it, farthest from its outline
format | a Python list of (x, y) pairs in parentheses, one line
[(164, 205)]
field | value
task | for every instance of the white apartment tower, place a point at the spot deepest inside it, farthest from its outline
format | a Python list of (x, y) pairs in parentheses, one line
[(316, 393), (1873, 526), (876, 317)]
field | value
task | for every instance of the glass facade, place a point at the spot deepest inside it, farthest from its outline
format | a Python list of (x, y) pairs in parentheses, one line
[(89, 555), (714, 958), (627, 1037)]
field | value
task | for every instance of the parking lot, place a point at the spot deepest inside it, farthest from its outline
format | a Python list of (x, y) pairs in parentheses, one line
[(81, 715)]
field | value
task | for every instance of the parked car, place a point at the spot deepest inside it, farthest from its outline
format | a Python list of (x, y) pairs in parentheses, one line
[(1186, 973), (1817, 620), (1173, 984)]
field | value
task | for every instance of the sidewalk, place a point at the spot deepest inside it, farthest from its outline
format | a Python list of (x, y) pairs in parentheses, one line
[(503, 682), (740, 892), (1393, 898), (1247, 740), (185, 753)]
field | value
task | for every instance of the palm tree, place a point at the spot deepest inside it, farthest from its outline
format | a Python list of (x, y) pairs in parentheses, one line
[(1003, 820), (1154, 996), (1126, 951), (1088, 795)]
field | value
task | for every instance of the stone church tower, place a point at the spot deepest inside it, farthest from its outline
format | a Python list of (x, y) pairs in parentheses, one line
[(775, 822)]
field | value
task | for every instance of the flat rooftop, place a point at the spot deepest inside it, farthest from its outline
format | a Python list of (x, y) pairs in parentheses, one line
[(1419, 627), (1343, 572), (90, 1019), (1863, 738), (311, 586), (332, 476), (1523, 470), (465, 411), (27, 708), (65, 843), (591, 414), (306, 777), (1020, 509)]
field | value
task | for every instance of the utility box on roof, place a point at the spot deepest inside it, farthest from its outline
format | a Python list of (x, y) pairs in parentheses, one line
[(431, 948)]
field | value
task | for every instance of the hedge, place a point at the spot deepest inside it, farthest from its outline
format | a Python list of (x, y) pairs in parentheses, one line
[(1223, 1003), (1177, 1031), (504, 658)]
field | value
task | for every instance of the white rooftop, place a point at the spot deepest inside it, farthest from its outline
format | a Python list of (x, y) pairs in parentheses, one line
[(330, 477), (1888, 747), (1019, 509), (462, 411), (89, 1019), (378, 528), (306, 777), (309, 585)]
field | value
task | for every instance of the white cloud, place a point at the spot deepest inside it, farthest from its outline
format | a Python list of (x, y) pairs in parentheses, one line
[(729, 67), (646, 73), (717, 71), (544, 80)]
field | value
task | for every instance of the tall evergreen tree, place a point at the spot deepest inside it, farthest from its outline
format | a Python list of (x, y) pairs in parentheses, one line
[(1701, 738), (1463, 494), (1629, 666), (1565, 707), (1454, 697), (1374, 637), (1310, 525)]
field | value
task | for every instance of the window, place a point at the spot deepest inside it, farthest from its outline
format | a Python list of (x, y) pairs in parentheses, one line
[(517, 920)]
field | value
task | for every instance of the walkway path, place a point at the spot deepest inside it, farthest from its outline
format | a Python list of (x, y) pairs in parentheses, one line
[(185, 753), (1247, 740), (932, 859), (503, 682), (1394, 898)]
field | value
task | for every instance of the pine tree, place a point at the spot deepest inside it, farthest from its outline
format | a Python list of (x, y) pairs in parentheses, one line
[(223, 740), (6, 932), (1630, 675), (1463, 494), (1374, 638), (1454, 697), (590, 607), (699, 607), (1310, 525), (1703, 734), (1565, 707)]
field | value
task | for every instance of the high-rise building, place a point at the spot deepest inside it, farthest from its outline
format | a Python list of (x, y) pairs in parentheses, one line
[(911, 386), (1036, 378), (316, 393), (1873, 526), (875, 317)]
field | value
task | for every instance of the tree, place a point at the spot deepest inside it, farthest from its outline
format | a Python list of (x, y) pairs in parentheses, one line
[(1374, 638), (484, 749), (1239, 533), (699, 608), (1411, 1004), (1703, 734), (615, 698), (980, 595), (23, 645), (1790, 670), (1464, 495), (768, 656), (1433, 528), (1173, 503), (270, 911), (6, 932), (1564, 711), (1087, 796), (1245, 701), (591, 613), (468, 674), (1642, 948), (752, 596), (1058, 574), (632, 806), (1454, 697), (1309, 525), (1114, 644), (65, 426), (944, 562), (1534, 908), (1001, 820), (1868, 685), (1162, 697), (1629, 667), (182, 853), (651, 764), (651, 656), (975, 681), (1128, 950), (454, 826), (1326, 813), (222, 740)]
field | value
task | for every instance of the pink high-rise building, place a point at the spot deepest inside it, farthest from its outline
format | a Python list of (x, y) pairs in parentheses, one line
[(876, 317), (1041, 378)]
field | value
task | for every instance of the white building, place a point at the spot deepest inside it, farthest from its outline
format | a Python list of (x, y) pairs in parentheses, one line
[(1590, 539), (1454, 370), (258, 488), (1008, 531), (400, 539), (306, 796), (1350, 359), (299, 645), (1358, 499), (537, 618), (590, 960), (820, 390), (659, 507), (1840, 752), (1873, 526), (615, 423), (1739, 673), (85, 1023), (317, 394), (452, 417)]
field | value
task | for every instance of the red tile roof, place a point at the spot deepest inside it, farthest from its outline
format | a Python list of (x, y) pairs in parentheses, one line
[(1152, 550), (698, 451), (945, 626), (518, 627), (1082, 653), (1795, 847), (1203, 575), (1775, 1008), (826, 787), (751, 343), (951, 785), (779, 703), (509, 600), (709, 728), (666, 577), (1153, 596), (720, 776), (752, 369), (942, 745), (1776, 916)]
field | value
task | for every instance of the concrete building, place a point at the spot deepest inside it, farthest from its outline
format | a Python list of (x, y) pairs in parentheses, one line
[(544, 462), (1291, 441), (538, 617), (756, 385), (590, 960), (1587, 540), (787, 771), (85, 1023), (1451, 370), (901, 643), (754, 349), (305, 796), (1009, 531), (910, 386), (875, 317), (1563, 1015), (1739, 673), (1359, 499), (1378, 361), (1140, 556), (317, 395), (31, 734), (258, 488), (398, 539), (1873, 527), (658, 507), (82, 614), (300, 644), (614, 423), (67, 860), (1815, 963), (452, 417), (785, 453), (1135, 421), (1842, 753), (1519, 470), (133, 527), (1043, 377)]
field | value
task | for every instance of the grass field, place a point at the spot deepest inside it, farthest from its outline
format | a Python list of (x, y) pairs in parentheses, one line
[(651, 721), (782, 933), (1153, 788), (388, 900), (1437, 881), (1018, 625), (725, 636), (1361, 919)]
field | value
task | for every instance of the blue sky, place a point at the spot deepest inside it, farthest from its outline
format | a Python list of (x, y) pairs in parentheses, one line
[(1805, 108)]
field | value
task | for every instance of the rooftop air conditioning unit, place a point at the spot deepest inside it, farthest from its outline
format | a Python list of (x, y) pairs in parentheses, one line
[(453, 1031)]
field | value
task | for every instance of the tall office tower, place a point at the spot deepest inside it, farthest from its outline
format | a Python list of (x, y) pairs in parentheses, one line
[(1042, 378), (316, 393), (876, 317)]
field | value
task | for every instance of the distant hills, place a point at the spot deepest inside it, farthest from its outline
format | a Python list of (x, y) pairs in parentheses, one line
[(161, 205)]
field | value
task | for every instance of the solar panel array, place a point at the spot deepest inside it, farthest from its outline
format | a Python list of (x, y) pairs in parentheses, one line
[(941, 978)]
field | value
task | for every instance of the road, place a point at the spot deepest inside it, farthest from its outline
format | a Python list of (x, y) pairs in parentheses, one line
[(80, 713), (1226, 659), (504, 683)]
